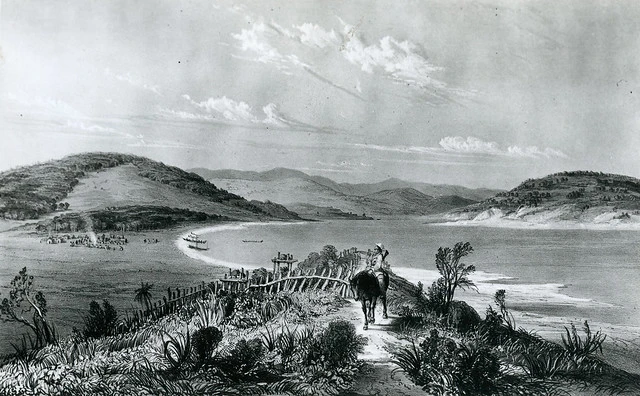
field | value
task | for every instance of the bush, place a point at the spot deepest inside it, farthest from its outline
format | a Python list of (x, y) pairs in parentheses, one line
[(442, 367), (205, 342), (462, 316), (101, 321), (337, 345), (242, 360), (579, 348)]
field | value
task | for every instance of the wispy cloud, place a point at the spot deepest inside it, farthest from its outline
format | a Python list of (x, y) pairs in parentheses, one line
[(23, 102), (256, 43), (136, 82), (459, 145), (224, 110), (315, 36), (229, 109), (142, 142), (344, 164), (401, 61)]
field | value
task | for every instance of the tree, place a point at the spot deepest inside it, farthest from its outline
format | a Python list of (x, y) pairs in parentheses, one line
[(329, 255), (100, 321), (23, 300), (143, 295), (453, 273)]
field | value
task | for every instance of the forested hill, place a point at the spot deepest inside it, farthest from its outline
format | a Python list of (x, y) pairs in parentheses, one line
[(94, 181), (570, 195)]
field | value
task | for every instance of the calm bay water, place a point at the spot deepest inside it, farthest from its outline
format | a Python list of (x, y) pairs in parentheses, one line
[(570, 275), (552, 277)]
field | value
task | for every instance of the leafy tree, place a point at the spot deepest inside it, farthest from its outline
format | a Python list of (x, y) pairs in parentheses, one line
[(24, 301), (453, 273), (100, 321), (329, 255), (143, 295), (259, 273)]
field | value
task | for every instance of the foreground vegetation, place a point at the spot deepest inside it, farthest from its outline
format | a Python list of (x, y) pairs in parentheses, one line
[(452, 351), (248, 343)]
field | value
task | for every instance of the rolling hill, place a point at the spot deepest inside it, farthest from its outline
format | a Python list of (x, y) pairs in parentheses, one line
[(107, 182), (577, 196), (308, 194)]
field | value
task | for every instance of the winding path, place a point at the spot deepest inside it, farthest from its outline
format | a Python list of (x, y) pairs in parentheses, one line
[(381, 380)]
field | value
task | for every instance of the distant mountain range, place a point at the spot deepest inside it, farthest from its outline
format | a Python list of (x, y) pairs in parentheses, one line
[(105, 187), (307, 194)]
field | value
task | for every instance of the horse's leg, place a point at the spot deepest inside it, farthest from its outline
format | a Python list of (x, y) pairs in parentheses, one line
[(372, 310), (364, 311), (384, 306)]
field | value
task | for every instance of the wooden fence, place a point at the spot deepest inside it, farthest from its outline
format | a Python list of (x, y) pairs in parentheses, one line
[(335, 279)]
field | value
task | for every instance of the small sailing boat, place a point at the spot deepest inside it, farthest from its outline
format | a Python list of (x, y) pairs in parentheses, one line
[(196, 243), (193, 237)]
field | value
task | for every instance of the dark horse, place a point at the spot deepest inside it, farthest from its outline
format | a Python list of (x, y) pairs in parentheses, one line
[(366, 288)]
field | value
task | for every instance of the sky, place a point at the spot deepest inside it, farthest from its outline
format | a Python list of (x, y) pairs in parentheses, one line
[(476, 93)]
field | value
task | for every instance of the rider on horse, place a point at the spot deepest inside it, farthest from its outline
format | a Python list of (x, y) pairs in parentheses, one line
[(378, 266)]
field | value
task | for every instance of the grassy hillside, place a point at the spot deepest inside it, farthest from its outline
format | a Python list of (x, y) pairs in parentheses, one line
[(100, 180), (567, 196)]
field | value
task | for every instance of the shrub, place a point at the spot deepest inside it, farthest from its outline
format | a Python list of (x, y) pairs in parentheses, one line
[(177, 352), (204, 342), (101, 321), (337, 345), (578, 348), (243, 359), (442, 367)]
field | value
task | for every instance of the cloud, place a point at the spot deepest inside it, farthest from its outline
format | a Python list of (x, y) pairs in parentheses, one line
[(224, 110), (344, 164), (40, 105), (314, 35), (273, 116), (232, 110), (458, 145), (400, 61), (184, 115), (255, 42), (141, 142), (228, 108), (79, 125), (128, 78)]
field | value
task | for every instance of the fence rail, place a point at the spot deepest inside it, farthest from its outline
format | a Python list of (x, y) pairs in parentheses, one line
[(335, 279)]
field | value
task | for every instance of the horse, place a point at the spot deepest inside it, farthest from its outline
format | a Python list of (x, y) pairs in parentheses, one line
[(366, 288)]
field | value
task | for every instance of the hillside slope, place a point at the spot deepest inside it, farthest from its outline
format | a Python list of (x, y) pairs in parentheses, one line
[(583, 196), (95, 181)]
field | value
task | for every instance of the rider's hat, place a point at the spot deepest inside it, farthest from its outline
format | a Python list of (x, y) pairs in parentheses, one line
[(380, 245)]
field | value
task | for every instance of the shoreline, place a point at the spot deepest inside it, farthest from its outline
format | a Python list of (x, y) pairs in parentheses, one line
[(526, 225), (183, 245)]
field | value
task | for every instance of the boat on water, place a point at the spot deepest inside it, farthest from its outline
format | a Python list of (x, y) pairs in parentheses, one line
[(252, 241), (195, 238), (195, 242)]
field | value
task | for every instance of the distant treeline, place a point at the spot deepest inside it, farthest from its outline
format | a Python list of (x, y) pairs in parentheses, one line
[(129, 218)]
